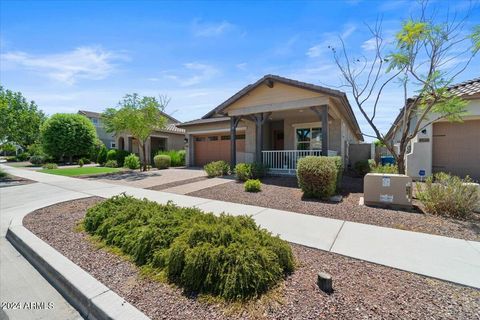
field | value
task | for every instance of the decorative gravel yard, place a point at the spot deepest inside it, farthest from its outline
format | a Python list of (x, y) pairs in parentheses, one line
[(283, 193), (362, 289)]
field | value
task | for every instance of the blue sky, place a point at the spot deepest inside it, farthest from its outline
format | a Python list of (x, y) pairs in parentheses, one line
[(71, 55)]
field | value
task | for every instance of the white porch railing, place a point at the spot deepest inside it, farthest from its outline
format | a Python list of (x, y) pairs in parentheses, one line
[(285, 161)]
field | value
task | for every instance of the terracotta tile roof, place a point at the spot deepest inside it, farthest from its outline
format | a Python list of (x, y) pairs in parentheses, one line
[(173, 128), (468, 88)]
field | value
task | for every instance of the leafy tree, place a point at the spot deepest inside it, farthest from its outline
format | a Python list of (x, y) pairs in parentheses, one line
[(427, 57), (68, 135), (138, 116), (20, 120)]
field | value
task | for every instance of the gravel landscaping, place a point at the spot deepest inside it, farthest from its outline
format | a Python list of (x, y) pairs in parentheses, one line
[(362, 289), (10, 181), (282, 193)]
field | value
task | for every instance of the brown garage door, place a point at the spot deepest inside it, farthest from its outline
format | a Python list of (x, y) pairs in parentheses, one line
[(215, 147), (456, 148)]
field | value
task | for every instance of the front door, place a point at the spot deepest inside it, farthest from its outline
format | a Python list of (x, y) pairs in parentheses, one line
[(278, 139)]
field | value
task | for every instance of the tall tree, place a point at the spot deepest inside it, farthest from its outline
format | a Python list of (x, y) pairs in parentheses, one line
[(426, 57), (20, 120), (138, 116), (68, 135)]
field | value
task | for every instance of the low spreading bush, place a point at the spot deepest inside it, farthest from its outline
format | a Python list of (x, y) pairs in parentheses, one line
[(37, 160), (111, 164), (112, 154), (225, 256), (217, 168), (86, 160), (162, 161), (448, 195), (245, 171), (3, 174), (80, 163), (317, 176), (11, 159), (177, 157), (102, 156), (50, 166), (252, 185), (132, 162), (23, 156), (121, 155)]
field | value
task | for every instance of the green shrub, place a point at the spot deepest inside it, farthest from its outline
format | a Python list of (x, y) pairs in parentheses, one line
[(177, 157), (11, 159), (86, 160), (448, 195), (132, 162), (102, 156), (162, 161), (3, 174), (317, 176), (388, 168), (23, 156), (50, 166), (111, 164), (80, 163), (362, 167), (252, 185), (37, 160), (226, 256), (217, 168), (95, 150), (121, 155), (339, 166), (245, 171), (112, 154)]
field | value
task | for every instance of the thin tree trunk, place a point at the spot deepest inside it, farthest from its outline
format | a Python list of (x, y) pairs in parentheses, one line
[(401, 163), (144, 160)]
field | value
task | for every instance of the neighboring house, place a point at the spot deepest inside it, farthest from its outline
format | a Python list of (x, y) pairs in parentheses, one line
[(107, 138), (447, 146), (169, 138), (275, 120)]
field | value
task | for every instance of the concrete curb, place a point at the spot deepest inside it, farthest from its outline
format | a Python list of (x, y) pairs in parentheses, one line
[(88, 296)]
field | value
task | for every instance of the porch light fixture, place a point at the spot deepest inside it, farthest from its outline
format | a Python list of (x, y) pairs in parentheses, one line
[(185, 140)]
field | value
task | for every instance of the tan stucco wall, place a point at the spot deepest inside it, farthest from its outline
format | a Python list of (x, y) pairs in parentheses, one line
[(266, 95)]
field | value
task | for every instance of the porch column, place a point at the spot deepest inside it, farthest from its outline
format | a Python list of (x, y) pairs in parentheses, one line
[(322, 113), (233, 141), (259, 119)]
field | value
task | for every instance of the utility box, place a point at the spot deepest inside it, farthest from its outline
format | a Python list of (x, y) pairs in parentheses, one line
[(388, 190)]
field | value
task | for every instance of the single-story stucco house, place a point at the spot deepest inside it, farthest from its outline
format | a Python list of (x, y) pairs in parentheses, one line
[(275, 121), (169, 138), (445, 146), (107, 138)]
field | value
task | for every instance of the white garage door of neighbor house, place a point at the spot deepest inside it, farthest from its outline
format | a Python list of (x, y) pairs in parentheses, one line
[(456, 148)]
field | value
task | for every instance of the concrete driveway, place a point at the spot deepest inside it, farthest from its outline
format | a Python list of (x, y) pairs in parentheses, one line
[(151, 178)]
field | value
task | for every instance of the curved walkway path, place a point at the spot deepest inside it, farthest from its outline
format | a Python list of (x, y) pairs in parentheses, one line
[(448, 259)]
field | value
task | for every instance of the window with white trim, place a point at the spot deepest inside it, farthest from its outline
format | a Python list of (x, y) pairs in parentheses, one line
[(308, 138), (113, 145)]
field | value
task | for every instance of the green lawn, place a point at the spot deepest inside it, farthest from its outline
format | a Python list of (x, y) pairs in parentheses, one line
[(72, 172)]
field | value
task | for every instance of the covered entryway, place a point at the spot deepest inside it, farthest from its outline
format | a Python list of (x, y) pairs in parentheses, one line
[(214, 147), (456, 148)]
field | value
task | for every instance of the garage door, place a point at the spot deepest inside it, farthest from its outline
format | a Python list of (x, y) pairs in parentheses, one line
[(215, 147), (456, 148)]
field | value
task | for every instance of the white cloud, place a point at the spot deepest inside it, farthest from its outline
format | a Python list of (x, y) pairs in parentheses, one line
[(242, 66), (330, 39), (211, 29), (91, 63), (370, 44), (192, 73)]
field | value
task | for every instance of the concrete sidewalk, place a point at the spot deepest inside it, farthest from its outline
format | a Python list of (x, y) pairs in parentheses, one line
[(440, 257), (196, 186)]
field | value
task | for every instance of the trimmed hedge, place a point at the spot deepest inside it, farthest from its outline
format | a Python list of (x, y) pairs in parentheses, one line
[(177, 157), (317, 176), (111, 164), (226, 256), (37, 160), (217, 168), (50, 166), (112, 154), (162, 161)]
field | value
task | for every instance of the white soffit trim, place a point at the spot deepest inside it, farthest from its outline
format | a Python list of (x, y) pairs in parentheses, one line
[(216, 130)]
